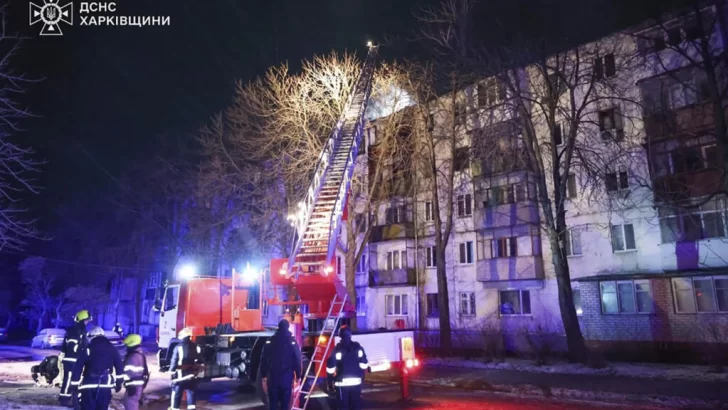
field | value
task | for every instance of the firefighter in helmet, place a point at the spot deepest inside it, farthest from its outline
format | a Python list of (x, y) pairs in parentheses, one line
[(102, 370), (346, 367), (185, 366), (136, 372), (118, 329), (74, 343)]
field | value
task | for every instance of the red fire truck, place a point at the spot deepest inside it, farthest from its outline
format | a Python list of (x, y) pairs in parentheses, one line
[(224, 313)]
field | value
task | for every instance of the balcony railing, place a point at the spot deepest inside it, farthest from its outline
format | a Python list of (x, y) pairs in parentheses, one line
[(511, 214), (393, 277), (514, 268), (405, 230)]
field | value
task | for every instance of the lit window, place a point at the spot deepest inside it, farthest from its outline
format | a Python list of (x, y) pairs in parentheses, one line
[(626, 297), (515, 302)]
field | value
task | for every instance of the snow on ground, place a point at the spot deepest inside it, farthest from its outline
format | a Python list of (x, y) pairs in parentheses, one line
[(641, 370)]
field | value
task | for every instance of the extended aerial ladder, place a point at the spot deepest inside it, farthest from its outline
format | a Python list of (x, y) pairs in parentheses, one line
[(310, 266)]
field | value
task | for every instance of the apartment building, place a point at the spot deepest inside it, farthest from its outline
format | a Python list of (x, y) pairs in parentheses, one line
[(647, 244)]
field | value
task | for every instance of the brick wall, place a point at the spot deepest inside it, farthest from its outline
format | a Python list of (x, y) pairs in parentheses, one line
[(663, 325)]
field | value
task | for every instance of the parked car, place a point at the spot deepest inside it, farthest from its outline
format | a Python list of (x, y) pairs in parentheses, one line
[(3, 334), (114, 338), (48, 338)]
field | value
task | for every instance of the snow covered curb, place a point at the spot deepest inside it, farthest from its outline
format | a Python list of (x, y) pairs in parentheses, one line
[(646, 371)]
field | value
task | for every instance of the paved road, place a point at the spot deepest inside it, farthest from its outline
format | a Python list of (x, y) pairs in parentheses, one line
[(223, 396)]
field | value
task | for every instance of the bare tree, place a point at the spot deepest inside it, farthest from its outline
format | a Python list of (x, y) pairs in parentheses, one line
[(16, 162), (685, 101), (41, 296), (562, 116), (262, 150)]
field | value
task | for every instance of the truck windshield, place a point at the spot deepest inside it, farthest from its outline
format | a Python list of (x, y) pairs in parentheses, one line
[(170, 298)]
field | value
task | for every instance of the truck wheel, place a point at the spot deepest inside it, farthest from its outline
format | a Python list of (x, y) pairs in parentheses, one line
[(259, 388)]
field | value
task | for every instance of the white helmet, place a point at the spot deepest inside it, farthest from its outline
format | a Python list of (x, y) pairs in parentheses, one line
[(96, 331)]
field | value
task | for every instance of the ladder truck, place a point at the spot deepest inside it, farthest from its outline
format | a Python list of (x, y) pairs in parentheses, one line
[(224, 314)]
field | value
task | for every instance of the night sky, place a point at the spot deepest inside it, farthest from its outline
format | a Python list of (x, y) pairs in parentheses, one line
[(115, 90)]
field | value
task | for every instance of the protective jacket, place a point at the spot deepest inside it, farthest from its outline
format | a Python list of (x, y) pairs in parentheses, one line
[(347, 364), (186, 361), (136, 372), (281, 360), (100, 365), (74, 343)]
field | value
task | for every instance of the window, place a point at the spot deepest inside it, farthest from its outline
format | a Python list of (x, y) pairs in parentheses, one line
[(433, 309), (515, 302), (557, 134), (396, 259), (505, 247), (465, 205), (338, 265), (708, 221), (396, 305), (361, 305), (617, 180), (576, 295), (687, 159), (429, 211), (622, 237), (626, 297), (466, 252), (467, 304), (170, 298), (558, 86), (266, 308), (572, 240), (491, 93), (701, 294), (461, 159), (500, 196), (519, 192), (605, 67), (371, 136), (361, 267), (681, 94), (150, 294), (459, 112), (360, 223), (610, 124), (396, 214), (430, 257), (571, 186)]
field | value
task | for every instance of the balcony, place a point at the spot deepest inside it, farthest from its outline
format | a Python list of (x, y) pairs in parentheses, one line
[(506, 269), (685, 120), (405, 230), (504, 215), (394, 277)]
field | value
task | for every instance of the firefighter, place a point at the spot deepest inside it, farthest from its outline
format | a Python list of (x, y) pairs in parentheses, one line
[(136, 372), (73, 344), (346, 367), (118, 330), (102, 370), (184, 366), (280, 366), (47, 370)]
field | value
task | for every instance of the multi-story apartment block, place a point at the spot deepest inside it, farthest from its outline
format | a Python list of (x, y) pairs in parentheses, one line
[(647, 239)]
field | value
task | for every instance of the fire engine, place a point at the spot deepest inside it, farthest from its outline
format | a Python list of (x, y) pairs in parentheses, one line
[(224, 313)]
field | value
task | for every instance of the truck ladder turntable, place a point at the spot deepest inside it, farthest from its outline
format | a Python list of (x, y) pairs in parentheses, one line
[(320, 354)]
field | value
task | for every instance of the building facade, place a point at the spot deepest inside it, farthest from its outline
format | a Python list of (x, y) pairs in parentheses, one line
[(647, 239)]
